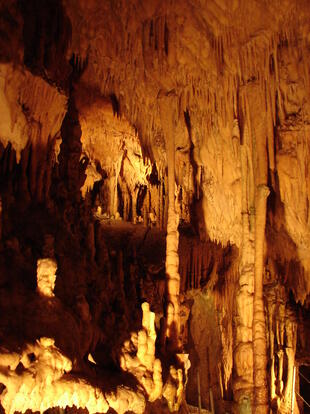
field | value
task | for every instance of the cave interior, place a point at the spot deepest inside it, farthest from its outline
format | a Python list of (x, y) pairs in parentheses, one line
[(154, 206)]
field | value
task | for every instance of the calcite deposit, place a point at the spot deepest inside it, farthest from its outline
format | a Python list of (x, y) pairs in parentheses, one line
[(154, 206)]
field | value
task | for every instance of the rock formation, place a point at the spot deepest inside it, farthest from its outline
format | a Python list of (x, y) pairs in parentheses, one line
[(154, 206)]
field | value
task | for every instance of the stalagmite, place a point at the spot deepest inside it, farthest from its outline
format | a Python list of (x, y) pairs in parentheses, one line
[(168, 119), (259, 327), (142, 362), (46, 277), (243, 352), (260, 162)]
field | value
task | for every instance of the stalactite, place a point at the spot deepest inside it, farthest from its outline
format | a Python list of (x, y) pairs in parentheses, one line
[(146, 207), (270, 129), (23, 188), (160, 203), (192, 274), (166, 200), (50, 160), (134, 204), (33, 169)]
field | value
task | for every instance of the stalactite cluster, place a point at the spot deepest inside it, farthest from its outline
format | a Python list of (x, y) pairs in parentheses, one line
[(154, 205)]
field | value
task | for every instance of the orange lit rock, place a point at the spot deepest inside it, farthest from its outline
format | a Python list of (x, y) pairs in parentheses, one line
[(40, 384), (32, 110), (190, 119), (46, 277), (143, 365)]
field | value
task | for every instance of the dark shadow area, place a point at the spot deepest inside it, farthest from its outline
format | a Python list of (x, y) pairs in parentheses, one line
[(46, 37), (304, 389)]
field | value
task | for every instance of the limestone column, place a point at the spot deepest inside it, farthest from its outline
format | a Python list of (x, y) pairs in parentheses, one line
[(168, 112), (250, 357), (243, 350), (259, 134), (259, 324)]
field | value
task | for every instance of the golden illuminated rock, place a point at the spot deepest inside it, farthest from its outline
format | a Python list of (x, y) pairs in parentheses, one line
[(143, 364), (154, 153), (46, 277)]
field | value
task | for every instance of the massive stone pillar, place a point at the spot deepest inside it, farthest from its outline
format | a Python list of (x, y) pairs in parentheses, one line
[(256, 99), (259, 324), (168, 116), (250, 358), (243, 351)]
